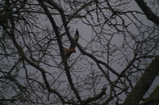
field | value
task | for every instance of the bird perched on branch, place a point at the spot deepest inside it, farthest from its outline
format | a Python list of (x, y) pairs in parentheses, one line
[(71, 50)]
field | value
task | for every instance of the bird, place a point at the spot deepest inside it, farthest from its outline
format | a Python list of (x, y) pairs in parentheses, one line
[(68, 52)]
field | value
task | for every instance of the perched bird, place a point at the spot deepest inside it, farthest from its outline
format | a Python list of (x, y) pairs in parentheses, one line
[(71, 50)]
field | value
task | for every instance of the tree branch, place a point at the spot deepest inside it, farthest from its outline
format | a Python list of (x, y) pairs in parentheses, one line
[(143, 84), (149, 14)]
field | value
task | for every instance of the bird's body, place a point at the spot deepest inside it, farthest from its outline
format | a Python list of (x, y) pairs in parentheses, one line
[(71, 50)]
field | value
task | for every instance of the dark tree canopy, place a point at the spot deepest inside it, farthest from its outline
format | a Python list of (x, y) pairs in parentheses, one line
[(115, 62)]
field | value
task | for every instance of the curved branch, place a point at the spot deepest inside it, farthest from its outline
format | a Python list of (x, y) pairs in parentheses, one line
[(95, 97), (59, 40)]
